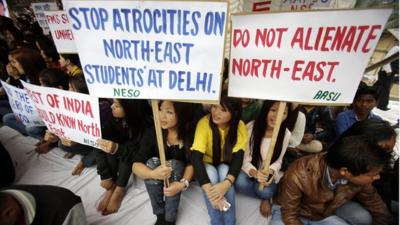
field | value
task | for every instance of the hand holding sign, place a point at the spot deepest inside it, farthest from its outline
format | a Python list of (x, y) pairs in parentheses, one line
[(107, 146), (66, 142), (48, 136)]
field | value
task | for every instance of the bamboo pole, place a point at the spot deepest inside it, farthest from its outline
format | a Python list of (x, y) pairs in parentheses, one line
[(157, 126), (267, 162)]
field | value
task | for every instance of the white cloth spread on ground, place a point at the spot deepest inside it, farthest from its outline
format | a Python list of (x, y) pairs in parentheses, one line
[(53, 169)]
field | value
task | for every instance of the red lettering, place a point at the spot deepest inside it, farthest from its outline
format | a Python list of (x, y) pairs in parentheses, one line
[(338, 39), (280, 33), (64, 34), (319, 34), (348, 41), (236, 66), (309, 70), (239, 36), (298, 38), (327, 38), (362, 29), (296, 69), (320, 71), (371, 36), (306, 45), (332, 64), (64, 18)]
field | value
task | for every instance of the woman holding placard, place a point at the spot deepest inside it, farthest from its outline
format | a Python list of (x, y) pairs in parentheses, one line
[(177, 133), (78, 84), (114, 162), (217, 156), (252, 175)]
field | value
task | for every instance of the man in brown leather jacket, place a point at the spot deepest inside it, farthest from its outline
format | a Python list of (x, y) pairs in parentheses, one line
[(319, 189)]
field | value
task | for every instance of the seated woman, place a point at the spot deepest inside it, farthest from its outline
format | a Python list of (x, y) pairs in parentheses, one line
[(252, 175), (217, 156), (114, 162), (28, 64), (178, 137), (78, 84)]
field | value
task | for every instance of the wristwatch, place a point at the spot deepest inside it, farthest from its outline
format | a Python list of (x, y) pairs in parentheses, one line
[(185, 182)]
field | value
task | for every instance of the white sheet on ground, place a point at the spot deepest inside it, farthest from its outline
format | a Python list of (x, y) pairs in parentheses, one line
[(53, 169)]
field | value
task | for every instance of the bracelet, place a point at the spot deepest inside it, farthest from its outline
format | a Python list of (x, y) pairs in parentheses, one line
[(230, 181), (184, 182)]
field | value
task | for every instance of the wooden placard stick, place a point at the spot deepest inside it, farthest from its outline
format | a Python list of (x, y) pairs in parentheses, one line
[(157, 126), (267, 162)]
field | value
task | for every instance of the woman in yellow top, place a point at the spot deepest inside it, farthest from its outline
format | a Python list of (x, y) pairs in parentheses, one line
[(71, 64), (217, 156)]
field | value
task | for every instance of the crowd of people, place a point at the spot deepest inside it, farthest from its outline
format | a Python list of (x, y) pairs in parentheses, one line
[(329, 165)]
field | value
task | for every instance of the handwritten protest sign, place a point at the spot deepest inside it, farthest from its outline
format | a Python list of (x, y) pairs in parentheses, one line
[(69, 115), (150, 49), (22, 106), (295, 57), (38, 10), (61, 31)]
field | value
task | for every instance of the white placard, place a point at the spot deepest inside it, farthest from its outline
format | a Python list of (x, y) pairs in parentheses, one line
[(22, 106), (313, 57), (150, 49), (38, 10), (284, 5), (69, 115), (4, 8), (61, 31)]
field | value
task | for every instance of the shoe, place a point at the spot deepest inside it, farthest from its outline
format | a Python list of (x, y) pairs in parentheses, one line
[(384, 108)]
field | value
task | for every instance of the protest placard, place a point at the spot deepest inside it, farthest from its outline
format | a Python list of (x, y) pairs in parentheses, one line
[(70, 115), (61, 31), (4, 8), (313, 57), (150, 49), (38, 10), (284, 5), (22, 106)]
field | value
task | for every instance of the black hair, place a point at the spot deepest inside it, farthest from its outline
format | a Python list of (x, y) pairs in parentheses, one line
[(31, 61), (79, 83), (374, 130), (73, 58), (259, 128), (6, 24), (184, 125), (137, 114), (364, 89), (356, 154), (233, 106), (54, 78), (48, 47)]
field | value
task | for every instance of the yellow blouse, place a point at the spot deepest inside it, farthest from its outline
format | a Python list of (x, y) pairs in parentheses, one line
[(203, 138)]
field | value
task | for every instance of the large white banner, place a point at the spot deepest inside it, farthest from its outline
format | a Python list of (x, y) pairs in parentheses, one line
[(313, 57), (70, 115), (22, 106), (61, 32), (150, 49), (38, 10)]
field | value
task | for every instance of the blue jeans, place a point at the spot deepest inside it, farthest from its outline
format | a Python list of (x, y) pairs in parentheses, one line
[(350, 213), (34, 131), (247, 186), (217, 175), (163, 204)]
